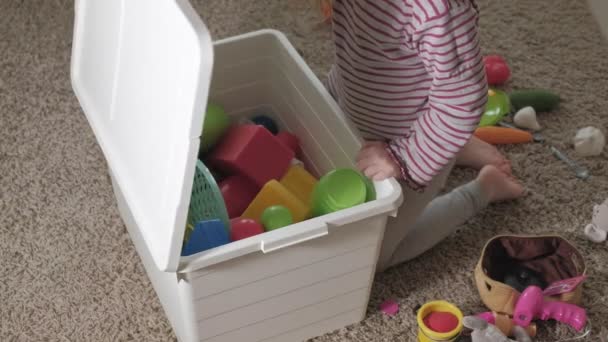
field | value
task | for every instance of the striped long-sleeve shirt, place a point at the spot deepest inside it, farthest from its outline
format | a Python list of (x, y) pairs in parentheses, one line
[(410, 72)]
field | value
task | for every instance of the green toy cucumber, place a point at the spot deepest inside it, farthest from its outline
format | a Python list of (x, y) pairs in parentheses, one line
[(539, 99)]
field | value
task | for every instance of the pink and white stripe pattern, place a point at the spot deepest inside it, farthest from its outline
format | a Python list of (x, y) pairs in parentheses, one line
[(410, 72)]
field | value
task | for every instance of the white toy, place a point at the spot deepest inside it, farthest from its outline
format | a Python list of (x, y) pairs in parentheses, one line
[(597, 230), (526, 118), (486, 332), (589, 141)]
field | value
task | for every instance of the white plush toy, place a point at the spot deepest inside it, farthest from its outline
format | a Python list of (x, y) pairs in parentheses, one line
[(486, 332), (597, 230)]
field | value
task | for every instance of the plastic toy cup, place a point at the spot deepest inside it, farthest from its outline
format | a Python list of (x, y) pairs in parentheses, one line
[(425, 334), (275, 217), (337, 190)]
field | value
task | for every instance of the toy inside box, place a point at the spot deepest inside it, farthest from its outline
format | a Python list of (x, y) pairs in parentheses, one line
[(263, 186)]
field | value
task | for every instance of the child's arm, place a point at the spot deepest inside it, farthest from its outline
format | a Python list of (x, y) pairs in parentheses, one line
[(448, 44)]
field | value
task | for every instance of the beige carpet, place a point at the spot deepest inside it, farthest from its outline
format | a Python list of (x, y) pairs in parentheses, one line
[(69, 272)]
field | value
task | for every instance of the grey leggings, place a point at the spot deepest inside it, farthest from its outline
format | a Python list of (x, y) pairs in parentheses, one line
[(424, 219)]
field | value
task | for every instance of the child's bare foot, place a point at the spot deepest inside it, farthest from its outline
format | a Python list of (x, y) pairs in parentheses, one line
[(498, 185), (478, 153)]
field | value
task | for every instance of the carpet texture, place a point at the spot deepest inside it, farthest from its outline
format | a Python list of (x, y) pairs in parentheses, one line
[(69, 272)]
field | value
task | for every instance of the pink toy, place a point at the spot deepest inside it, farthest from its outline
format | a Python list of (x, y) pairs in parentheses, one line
[(497, 70), (252, 151), (238, 192), (531, 305), (389, 307), (289, 140), (441, 322), (242, 228)]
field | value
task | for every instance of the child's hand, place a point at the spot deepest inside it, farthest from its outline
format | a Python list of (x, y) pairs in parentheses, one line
[(376, 162)]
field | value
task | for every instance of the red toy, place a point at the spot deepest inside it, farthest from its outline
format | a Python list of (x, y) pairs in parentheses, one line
[(253, 152), (441, 322), (497, 70), (289, 140), (242, 228), (238, 192)]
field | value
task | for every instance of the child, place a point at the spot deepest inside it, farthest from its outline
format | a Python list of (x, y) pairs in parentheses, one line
[(410, 75)]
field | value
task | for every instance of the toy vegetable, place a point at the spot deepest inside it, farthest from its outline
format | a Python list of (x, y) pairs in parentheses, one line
[(589, 141), (540, 100), (526, 118), (496, 108), (497, 70), (502, 135)]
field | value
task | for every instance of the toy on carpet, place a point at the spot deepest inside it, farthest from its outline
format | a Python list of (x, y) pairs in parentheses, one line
[(505, 324), (497, 70), (520, 277), (539, 99), (502, 135), (238, 192), (266, 122), (206, 235), (439, 321), (532, 305), (526, 118), (589, 141), (580, 171), (275, 217), (486, 332), (251, 151), (497, 107), (597, 230), (242, 228), (215, 125), (389, 307), (337, 190), (536, 136)]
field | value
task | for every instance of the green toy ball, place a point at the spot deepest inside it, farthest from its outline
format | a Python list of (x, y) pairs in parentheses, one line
[(216, 123), (275, 217), (497, 107)]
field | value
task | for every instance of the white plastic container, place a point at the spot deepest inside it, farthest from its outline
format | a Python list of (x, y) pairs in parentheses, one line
[(142, 71)]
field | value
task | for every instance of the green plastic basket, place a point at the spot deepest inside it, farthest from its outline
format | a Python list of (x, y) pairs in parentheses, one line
[(206, 201)]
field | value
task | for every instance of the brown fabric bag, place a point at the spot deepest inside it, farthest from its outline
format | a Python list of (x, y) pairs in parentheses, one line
[(551, 256)]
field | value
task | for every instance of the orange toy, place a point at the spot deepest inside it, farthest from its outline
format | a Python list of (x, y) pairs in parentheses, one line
[(502, 135)]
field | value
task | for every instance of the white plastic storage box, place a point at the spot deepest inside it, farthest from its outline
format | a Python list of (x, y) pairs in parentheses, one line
[(142, 71)]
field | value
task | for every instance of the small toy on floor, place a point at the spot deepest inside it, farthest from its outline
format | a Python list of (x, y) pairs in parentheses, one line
[(597, 230), (389, 307), (439, 315), (497, 70), (486, 332), (589, 142), (526, 118)]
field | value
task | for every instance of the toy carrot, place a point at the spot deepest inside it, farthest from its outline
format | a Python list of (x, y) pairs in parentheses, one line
[(502, 135)]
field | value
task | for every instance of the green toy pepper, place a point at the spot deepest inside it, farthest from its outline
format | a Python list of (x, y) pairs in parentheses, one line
[(497, 107)]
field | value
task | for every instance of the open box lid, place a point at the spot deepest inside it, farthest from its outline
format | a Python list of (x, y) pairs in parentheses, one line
[(141, 70)]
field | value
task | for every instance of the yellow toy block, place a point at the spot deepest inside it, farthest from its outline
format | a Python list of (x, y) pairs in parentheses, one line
[(275, 193), (300, 183)]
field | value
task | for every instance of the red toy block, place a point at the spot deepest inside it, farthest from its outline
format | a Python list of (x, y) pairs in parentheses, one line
[(289, 140), (252, 151), (238, 192)]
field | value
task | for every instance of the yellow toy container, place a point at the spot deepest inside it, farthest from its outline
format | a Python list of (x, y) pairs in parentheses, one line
[(275, 193), (300, 182), (425, 334)]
